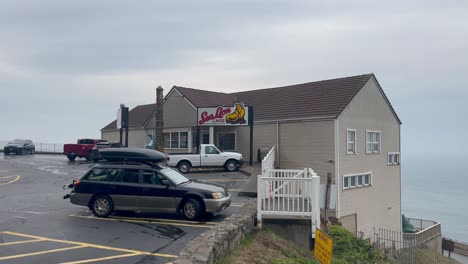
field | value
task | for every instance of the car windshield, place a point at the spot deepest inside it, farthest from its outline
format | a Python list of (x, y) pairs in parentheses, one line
[(17, 141), (174, 176)]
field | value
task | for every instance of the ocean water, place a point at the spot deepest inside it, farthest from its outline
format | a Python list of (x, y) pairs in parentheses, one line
[(436, 188)]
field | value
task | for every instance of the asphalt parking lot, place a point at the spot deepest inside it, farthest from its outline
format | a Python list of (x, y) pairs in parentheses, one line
[(38, 226)]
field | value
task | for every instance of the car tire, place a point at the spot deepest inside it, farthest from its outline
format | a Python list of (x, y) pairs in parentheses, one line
[(7, 153), (184, 167), (23, 151), (192, 209), (33, 151), (89, 157), (102, 206), (71, 157), (231, 166)]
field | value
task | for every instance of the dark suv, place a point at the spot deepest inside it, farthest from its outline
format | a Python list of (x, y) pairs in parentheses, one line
[(139, 186), (19, 146)]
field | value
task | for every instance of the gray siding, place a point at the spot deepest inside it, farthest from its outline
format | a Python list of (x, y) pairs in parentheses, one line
[(380, 204), (308, 144), (178, 112), (136, 137)]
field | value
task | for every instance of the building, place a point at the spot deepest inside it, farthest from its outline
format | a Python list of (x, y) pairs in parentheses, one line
[(345, 128), (138, 127)]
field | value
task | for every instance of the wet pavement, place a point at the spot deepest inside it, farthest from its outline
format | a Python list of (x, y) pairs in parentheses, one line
[(38, 226)]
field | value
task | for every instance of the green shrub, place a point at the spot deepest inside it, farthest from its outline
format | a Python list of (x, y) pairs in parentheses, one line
[(348, 248)]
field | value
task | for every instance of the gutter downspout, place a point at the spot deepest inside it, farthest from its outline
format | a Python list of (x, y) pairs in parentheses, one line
[(277, 144), (337, 168)]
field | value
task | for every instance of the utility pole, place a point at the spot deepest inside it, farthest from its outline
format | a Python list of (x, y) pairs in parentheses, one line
[(159, 139)]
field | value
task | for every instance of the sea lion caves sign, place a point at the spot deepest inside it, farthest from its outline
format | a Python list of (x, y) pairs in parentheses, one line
[(236, 115)]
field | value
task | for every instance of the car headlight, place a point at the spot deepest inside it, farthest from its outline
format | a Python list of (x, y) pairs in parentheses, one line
[(218, 195)]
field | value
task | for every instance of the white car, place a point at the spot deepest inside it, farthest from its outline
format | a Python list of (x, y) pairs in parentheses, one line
[(209, 156)]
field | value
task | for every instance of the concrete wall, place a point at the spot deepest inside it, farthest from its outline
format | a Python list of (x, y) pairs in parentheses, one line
[(378, 205)]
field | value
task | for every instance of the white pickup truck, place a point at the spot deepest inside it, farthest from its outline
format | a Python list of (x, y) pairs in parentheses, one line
[(209, 156)]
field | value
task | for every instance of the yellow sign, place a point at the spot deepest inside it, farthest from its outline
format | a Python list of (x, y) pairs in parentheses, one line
[(323, 247)]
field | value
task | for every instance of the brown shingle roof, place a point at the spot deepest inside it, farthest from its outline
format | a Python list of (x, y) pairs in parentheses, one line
[(320, 99), (138, 116)]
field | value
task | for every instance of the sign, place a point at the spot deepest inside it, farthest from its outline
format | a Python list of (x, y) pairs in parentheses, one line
[(119, 117), (323, 247), (236, 115)]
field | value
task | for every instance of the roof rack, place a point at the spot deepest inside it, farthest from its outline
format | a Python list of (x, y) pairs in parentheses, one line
[(131, 155)]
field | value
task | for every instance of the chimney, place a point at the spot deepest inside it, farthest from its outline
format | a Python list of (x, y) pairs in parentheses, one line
[(159, 119)]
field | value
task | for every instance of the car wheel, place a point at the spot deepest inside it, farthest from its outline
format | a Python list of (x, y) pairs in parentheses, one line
[(33, 151), (192, 209), (102, 206), (23, 152), (71, 157), (184, 167), (7, 153), (231, 166), (89, 157)]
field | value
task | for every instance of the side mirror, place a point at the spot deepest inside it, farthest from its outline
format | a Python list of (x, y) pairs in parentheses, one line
[(165, 183)]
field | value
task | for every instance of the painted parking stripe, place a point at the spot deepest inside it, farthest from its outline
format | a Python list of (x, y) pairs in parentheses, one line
[(41, 252), (133, 220), (89, 245), (21, 242), (4, 180), (102, 259)]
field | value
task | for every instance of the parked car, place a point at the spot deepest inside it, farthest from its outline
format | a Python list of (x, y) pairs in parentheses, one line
[(82, 149), (209, 156), (132, 181), (20, 146)]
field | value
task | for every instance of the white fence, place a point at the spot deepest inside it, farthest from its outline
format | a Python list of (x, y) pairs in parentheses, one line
[(287, 193)]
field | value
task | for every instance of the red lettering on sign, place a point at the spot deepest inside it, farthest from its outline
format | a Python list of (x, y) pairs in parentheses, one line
[(220, 113)]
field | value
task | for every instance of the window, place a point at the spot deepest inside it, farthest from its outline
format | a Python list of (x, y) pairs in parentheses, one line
[(151, 177), (227, 141), (100, 174), (393, 158), (372, 141), (175, 140), (351, 141), (357, 180), (128, 176), (211, 150)]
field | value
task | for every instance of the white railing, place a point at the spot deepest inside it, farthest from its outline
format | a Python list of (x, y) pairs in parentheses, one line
[(269, 161), (289, 193)]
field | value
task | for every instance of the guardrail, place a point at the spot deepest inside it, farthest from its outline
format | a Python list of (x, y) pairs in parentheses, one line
[(426, 230)]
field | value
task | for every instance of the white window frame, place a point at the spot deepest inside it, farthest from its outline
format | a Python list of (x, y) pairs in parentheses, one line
[(391, 161), (350, 142), (356, 180), (178, 131), (371, 151)]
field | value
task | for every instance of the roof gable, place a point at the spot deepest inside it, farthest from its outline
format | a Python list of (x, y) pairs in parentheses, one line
[(137, 117)]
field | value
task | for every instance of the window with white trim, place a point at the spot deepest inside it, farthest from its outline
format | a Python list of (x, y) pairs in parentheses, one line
[(393, 158), (351, 141), (360, 180), (175, 140), (372, 141)]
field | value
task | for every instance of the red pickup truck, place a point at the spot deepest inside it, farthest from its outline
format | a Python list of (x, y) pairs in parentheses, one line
[(82, 149)]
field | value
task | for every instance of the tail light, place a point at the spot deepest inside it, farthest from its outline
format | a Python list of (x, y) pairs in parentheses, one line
[(76, 183), (168, 159)]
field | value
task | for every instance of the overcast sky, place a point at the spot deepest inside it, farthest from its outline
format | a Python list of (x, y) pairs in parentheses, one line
[(65, 66)]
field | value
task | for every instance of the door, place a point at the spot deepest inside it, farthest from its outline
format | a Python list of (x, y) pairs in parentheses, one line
[(211, 157), (125, 189), (154, 196)]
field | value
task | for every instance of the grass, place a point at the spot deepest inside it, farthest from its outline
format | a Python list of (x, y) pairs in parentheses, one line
[(265, 247)]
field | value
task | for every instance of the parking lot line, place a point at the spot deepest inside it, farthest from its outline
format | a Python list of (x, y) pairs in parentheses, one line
[(135, 220), (15, 178), (41, 252), (90, 245), (21, 242), (102, 259)]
